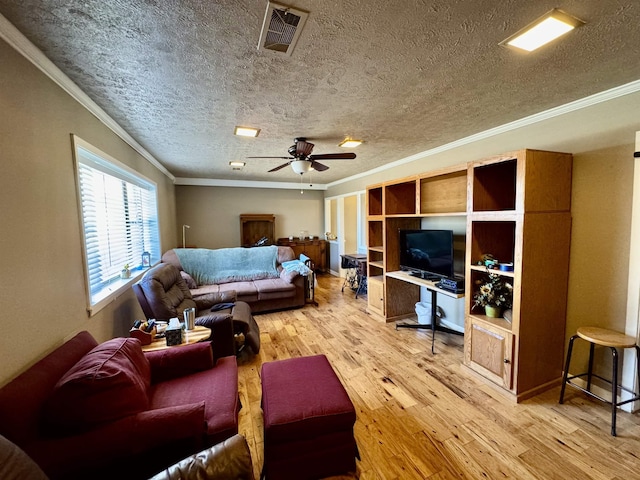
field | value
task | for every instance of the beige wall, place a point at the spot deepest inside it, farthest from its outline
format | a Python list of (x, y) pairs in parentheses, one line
[(213, 213), (601, 228), (42, 293)]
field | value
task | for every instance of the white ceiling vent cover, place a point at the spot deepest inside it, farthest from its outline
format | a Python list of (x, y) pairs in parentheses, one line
[(281, 28)]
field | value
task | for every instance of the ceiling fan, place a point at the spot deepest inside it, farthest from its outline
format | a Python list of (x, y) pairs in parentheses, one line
[(302, 161)]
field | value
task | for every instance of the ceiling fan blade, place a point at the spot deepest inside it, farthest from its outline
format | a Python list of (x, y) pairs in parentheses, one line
[(318, 167), (283, 158), (334, 156), (279, 167)]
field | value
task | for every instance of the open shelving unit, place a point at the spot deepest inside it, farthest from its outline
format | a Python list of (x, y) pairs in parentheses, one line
[(519, 211), (518, 208), (401, 204), (254, 226)]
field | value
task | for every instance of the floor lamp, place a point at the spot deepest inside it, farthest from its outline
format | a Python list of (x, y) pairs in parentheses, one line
[(184, 235)]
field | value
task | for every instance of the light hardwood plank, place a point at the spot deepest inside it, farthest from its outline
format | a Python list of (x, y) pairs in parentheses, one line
[(425, 416)]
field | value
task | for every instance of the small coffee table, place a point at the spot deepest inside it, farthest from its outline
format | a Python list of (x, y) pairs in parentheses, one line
[(189, 336)]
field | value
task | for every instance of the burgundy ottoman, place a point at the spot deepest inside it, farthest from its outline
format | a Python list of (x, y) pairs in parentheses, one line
[(308, 420)]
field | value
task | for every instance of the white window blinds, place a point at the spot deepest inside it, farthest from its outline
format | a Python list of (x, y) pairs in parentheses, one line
[(119, 219)]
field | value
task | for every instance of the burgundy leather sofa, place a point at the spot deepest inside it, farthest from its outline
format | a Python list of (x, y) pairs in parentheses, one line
[(111, 411)]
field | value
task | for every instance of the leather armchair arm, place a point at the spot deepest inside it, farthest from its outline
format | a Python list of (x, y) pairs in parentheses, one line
[(221, 326), (228, 459)]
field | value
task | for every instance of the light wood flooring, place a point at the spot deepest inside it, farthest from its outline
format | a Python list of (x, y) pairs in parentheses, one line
[(424, 416)]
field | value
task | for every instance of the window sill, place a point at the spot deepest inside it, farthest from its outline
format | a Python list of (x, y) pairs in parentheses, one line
[(111, 292)]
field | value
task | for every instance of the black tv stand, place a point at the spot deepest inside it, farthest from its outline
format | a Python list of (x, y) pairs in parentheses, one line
[(434, 289)]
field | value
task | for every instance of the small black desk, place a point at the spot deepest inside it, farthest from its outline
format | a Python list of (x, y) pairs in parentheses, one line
[(431, 286), (356, 265)]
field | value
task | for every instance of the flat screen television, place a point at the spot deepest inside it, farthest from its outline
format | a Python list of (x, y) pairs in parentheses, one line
[(427, 253)]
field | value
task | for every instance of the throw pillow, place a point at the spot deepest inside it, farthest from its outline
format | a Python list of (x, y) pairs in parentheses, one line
[(188, 279), (288, 275), (108, 383)]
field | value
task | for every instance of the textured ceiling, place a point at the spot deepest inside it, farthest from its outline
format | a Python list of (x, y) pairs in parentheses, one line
[(405, 76)]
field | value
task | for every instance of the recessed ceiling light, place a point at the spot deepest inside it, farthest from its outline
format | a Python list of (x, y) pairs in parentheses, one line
[(236, 165), (349, 143), (246, 131), (550, 26)]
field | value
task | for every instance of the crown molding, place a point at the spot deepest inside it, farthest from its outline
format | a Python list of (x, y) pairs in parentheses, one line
[(28, 50), (595, 99), (213, 182)]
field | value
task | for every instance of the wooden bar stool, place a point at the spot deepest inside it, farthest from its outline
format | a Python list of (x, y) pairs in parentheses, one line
[(606, 338)]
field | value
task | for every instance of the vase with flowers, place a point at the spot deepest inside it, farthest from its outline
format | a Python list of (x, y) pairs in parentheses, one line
[(494, 294)]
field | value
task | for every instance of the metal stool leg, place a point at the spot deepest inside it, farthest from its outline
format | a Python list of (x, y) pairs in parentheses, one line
[(614, 391), (566, 368), (638, 365), (592, 346)]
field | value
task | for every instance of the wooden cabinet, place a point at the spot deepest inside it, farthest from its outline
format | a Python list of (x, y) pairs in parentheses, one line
[(254, 226), (490, 351), (375, 295), (315, 249), (519, 211), (401, 204), (517, 208)]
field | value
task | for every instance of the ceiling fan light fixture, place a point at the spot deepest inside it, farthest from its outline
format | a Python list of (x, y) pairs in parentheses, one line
[(349, 143), (246, 131), (550, 26), (301, 166)]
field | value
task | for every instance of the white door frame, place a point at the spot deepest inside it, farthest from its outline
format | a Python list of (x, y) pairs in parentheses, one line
[(632, 326)]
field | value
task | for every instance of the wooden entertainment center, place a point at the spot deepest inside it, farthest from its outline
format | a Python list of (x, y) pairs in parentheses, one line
[(518, 208)]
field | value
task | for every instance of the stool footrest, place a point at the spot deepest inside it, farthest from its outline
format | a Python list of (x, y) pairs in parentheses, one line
[(608, 382), (588, 392)]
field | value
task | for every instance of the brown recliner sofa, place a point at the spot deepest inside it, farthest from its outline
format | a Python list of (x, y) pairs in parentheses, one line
[(262, 294), (163, 294)]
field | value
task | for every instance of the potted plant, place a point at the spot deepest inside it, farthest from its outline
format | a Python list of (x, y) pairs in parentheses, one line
[(125, 273), (494, 294)]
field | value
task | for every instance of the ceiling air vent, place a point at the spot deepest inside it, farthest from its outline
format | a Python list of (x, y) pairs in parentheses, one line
[(281, 28)]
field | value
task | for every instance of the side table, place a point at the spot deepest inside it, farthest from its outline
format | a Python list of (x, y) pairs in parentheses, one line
[(189, 336)]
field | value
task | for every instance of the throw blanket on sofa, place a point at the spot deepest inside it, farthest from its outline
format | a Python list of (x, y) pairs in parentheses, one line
[(296, 266), (224, 265)]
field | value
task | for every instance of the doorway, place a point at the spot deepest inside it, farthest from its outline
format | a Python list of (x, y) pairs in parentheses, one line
[(345, 218)]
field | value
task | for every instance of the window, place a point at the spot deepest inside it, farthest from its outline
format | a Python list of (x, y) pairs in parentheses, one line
[(119, 213)]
